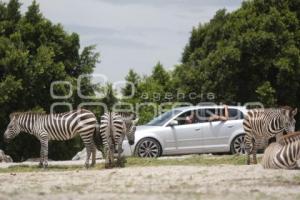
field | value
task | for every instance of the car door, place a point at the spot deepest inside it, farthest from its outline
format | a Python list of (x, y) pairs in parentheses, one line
[(218, 133), (188, 137)]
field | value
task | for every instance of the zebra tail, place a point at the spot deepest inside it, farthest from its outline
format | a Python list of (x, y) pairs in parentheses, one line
[(98, 139)]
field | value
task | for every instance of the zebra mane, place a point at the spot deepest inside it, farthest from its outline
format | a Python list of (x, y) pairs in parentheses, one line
[(128, 115), (286, 108), (291, 137), (16, 114)]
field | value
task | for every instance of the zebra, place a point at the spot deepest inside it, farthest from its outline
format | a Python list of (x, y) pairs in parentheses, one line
[(113, 129), (283, 154), (263, 124), (62, 126)]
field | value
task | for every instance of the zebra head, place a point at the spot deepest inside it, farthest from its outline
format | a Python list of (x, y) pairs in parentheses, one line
[(13, 128), (288, 119), (130, 129)]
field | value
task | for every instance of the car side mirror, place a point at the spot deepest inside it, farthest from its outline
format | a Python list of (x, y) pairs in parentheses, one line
[(173, 123)]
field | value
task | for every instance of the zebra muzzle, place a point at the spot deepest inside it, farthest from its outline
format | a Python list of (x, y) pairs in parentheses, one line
[(6, 140)]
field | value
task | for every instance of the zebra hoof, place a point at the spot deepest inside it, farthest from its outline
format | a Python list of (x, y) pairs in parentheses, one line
[(86, 166), (121, 164), (40, 165), (93, 165), (108, 166), (45, 164)]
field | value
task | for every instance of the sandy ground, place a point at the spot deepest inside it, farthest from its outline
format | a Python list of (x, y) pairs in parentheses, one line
[(163, 182)]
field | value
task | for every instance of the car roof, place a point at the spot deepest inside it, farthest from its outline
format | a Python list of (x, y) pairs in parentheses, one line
[(185, 108)]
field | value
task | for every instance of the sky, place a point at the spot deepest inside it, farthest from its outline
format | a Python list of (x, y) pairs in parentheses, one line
[(132, 34)]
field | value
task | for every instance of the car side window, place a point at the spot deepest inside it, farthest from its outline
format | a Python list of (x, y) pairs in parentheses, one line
[(205, 114), (209, 113), (235, 114), (189, 117)]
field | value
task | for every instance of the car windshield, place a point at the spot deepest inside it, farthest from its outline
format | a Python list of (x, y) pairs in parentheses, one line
[(162, 119)]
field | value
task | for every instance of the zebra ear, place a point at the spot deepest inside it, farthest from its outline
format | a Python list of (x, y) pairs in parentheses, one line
[(12, 115), (135, 121), (294, 112)]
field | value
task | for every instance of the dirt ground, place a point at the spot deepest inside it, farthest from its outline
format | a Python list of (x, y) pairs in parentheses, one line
[(161, 182)]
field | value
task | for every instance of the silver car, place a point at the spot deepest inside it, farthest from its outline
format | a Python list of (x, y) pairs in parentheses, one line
[(169, 134)]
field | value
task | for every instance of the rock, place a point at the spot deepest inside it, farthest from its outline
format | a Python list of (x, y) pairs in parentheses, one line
[(81, 155), (5, 158)]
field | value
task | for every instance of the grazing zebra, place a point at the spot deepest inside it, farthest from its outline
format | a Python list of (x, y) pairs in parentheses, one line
[(62, 126), (283, 154), (263, 124), (113, 129)]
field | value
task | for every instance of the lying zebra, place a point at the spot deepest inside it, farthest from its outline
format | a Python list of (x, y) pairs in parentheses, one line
[(113, 129), (263, 124), (283, 154), (63, 126)]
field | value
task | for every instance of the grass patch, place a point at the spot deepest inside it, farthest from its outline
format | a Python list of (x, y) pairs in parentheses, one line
[(205, 160), (35, 168), (195, 160), (297, 179)]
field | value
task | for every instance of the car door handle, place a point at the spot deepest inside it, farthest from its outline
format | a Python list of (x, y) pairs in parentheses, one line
[(197, 129), (230, 126)]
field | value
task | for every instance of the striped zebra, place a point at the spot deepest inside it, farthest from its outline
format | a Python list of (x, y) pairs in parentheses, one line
[(263, 124), (113, 129), (283, 154), (62, 126)]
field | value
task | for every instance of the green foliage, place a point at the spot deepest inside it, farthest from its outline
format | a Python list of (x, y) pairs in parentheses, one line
[(251, 54), (149, 91), (34, 53), (133, 80), (266, 94), (109, 96), (248, 55)]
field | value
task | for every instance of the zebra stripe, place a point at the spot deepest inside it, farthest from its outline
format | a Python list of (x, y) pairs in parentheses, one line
[(262, 124), (113, 129), (283, 154), (62, 126)]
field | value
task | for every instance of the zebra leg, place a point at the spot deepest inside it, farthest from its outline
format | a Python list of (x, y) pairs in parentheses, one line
[(109, 158), (120, 159), (41, 159), (44, 154), (107, 154), (248, 144), (93, 156), (87, 138), (254, 151), (112, 156), (88, 155), (44, 150)]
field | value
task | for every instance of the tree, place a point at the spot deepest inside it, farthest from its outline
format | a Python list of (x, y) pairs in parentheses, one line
[(160, 75), (33, 54), (251, 54), (133, 80), (109, 97)]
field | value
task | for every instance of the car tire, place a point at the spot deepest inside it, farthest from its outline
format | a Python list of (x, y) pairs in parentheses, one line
[(148, 148), (238, 145)]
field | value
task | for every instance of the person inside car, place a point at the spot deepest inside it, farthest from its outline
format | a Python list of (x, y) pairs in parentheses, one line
[(220, 117), (191, 118)]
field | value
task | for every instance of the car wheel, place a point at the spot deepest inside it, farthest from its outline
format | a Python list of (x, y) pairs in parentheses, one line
[(238, 145), (148, 148)]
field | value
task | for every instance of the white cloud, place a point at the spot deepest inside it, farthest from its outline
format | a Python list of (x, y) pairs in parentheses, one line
[(133, 33)]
